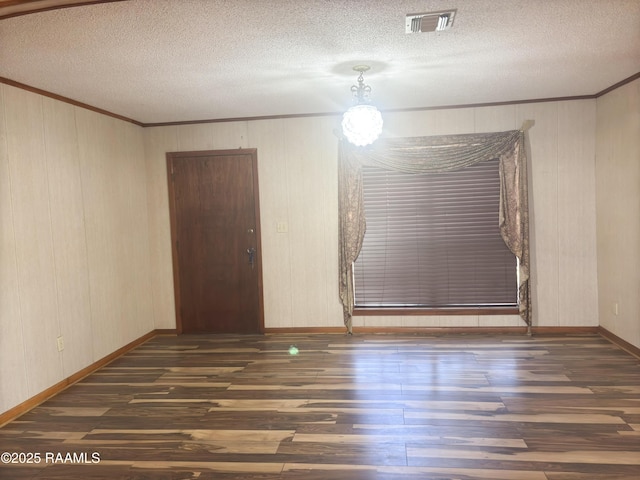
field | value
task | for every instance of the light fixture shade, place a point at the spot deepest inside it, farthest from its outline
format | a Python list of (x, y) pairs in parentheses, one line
[(362, 124)]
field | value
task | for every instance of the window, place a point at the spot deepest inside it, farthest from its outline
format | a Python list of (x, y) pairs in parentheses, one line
[(433, 241)]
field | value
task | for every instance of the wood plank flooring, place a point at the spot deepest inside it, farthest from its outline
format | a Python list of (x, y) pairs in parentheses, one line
[(385, 407)]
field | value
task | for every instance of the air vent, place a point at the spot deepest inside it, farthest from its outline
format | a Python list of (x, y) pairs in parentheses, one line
[(429, 22)]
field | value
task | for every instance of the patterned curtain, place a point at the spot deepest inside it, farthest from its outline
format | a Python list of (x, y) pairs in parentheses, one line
[(435, 154)]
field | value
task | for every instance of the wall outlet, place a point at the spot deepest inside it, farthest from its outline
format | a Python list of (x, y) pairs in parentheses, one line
[(60, 341), (615, 308)]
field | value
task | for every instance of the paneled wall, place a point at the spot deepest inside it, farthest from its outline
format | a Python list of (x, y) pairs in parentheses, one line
[(618, 207), (74, 258), (297, 163), (85, 245)]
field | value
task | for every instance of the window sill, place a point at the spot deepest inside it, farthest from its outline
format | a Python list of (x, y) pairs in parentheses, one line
[(406, 311)]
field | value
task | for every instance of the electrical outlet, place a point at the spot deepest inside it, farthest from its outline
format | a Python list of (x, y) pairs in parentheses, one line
[(60, 341), (615, 308)]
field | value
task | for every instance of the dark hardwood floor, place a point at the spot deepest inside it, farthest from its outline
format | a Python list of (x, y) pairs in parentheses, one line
[(407, 407)]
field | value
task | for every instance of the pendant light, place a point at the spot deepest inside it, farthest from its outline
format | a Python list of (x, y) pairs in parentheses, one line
[(362, 123)]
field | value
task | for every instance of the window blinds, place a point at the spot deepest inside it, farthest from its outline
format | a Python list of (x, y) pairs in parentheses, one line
[(433, 240)]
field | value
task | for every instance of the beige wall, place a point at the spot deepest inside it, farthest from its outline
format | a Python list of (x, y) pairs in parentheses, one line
[(297, 173), (85, 245), (618, 207), (74, 258), (298, 184)]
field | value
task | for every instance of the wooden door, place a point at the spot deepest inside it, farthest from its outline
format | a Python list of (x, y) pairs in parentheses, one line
[(216, 241)]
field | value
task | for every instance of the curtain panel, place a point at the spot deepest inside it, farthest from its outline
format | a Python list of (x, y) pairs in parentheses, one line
[(435, 154)]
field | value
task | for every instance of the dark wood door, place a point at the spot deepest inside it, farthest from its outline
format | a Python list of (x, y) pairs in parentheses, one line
[(216, 243)]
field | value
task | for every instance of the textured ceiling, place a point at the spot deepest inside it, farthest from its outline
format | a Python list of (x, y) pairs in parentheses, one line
[(180, 60)]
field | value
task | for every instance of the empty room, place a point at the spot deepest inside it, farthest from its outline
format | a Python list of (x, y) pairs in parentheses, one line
[(311, 239)]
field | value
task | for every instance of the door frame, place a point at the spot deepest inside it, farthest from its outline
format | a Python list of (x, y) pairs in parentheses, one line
[(177, 156)]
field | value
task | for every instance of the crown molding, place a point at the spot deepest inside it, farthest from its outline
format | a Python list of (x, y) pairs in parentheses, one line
[(16, 8), (71, 101), (618, 85), (61, 98)]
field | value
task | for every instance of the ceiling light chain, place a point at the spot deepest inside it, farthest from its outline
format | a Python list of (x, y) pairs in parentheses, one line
[(361, 91)]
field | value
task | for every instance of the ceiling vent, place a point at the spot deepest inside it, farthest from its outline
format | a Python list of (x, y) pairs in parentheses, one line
[(429, 22)]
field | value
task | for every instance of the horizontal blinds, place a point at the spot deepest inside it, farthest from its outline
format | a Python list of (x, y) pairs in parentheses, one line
[(433, 240)]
